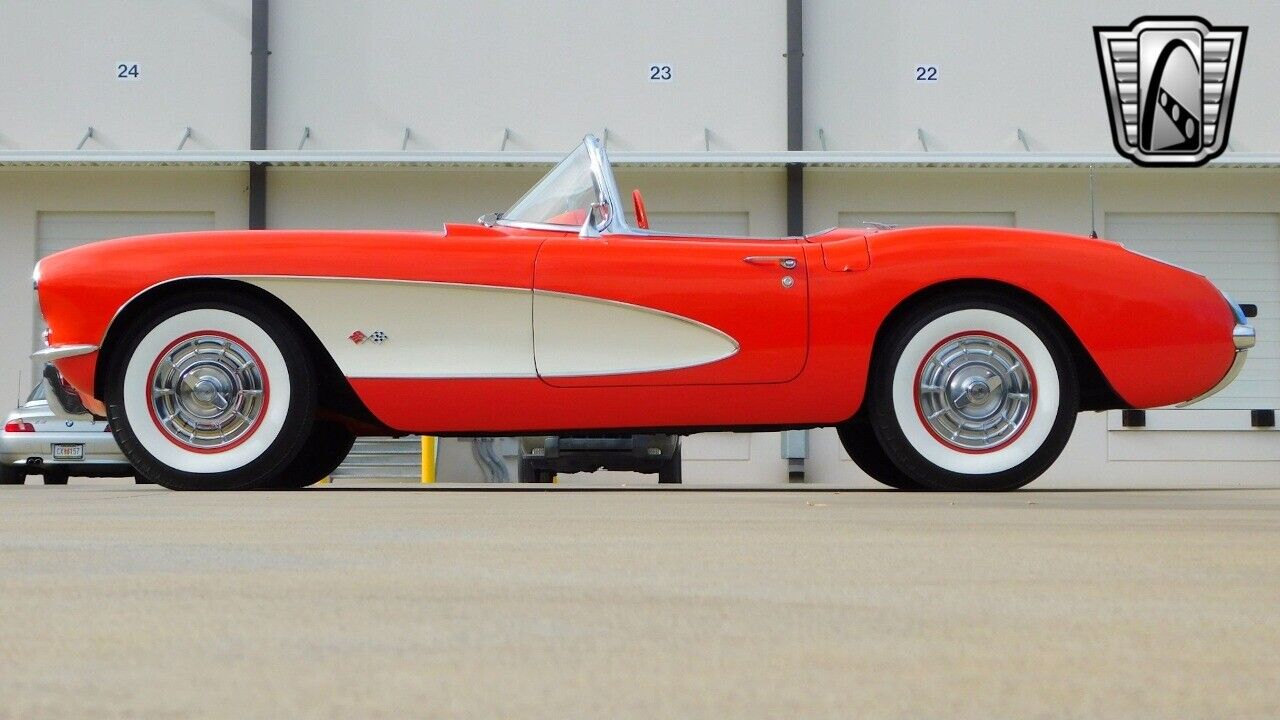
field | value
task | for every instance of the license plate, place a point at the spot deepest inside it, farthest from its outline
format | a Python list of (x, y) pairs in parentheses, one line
[(68, 452)]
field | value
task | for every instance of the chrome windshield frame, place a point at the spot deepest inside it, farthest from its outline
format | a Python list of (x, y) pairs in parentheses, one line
[(606, 194), (606, 188)]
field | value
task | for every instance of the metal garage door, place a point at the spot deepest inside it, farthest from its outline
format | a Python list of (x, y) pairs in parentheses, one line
[(64, 230), (1240, 252), (915, 219), (383, 458)]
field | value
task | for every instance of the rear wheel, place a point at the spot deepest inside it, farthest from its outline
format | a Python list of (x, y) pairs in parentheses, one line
[(860, 441), (212, 393), (11, 475), (328, 446), (973, 393)]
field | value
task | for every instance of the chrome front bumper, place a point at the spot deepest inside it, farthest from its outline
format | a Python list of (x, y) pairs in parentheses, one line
[(62, 399), (57, 352), (1244, 337)]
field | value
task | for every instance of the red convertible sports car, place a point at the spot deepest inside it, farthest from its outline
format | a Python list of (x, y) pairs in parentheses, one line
[(948, 358)]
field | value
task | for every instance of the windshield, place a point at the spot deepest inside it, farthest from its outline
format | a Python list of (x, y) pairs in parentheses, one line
[(37, 393), (562, 197)]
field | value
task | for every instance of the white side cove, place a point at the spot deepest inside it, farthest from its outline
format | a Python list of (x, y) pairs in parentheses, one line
[(576, 335), (433, 330), (454, 330)]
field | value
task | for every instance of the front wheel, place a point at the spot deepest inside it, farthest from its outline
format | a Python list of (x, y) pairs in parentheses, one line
[(672, 472), (211, 393), (330, 443), (974, 393)]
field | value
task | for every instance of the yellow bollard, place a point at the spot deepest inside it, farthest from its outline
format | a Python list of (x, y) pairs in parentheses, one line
[(430, 445)]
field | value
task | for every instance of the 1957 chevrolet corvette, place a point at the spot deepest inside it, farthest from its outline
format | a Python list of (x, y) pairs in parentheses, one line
[(948, 358)]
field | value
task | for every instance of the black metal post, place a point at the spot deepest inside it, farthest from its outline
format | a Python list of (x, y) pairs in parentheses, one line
[(795, 116), (795, 199), (795, 77), (258, 115), (795, 444)]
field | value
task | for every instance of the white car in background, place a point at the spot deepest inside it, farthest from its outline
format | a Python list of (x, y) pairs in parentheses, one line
[(34, 442)]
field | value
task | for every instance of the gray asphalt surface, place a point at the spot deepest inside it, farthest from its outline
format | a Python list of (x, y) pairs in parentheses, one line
[(118, 601)]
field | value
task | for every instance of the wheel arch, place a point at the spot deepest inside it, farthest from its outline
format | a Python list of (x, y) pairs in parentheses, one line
[(1096, 392), (336, 396)]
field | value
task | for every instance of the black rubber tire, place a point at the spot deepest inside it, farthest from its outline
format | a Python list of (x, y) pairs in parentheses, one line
[(906, 458), (328, 446), (860, 441), (11, 475), (672, 472), (139, 480), (56, 477), (292, 435)]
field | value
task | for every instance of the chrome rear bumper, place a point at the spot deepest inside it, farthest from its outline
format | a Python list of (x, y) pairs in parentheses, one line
[(1244, 337)]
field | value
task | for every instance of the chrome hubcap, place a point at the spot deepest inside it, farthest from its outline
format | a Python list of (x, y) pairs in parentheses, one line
[(208, 392), (975, 392)]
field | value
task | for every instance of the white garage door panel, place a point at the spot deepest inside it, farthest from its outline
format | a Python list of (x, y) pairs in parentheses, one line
[(57, 231), (1240, 253), (916, 219), (716, 446)]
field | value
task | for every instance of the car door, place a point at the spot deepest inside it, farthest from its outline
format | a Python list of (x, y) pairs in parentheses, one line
[(669, 310)]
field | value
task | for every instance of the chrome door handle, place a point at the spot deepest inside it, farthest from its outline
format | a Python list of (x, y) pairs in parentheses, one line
[(784, 261)]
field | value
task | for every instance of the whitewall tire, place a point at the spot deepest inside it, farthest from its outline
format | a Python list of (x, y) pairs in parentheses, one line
[(211, 394), (974, 393)]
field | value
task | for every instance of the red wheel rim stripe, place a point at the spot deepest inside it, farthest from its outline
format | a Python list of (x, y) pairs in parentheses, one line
[(1031, 372), (266, 392)]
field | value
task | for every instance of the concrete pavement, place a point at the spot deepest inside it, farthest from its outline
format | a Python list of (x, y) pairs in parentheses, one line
[(123, 601)]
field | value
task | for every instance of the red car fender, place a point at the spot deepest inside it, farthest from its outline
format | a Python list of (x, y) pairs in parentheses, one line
[(1159, 334)]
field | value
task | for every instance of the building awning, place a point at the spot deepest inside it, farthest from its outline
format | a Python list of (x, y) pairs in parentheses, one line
[(628, 158)]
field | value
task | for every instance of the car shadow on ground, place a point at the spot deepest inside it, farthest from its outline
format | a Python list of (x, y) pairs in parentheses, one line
[(517, 488)]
